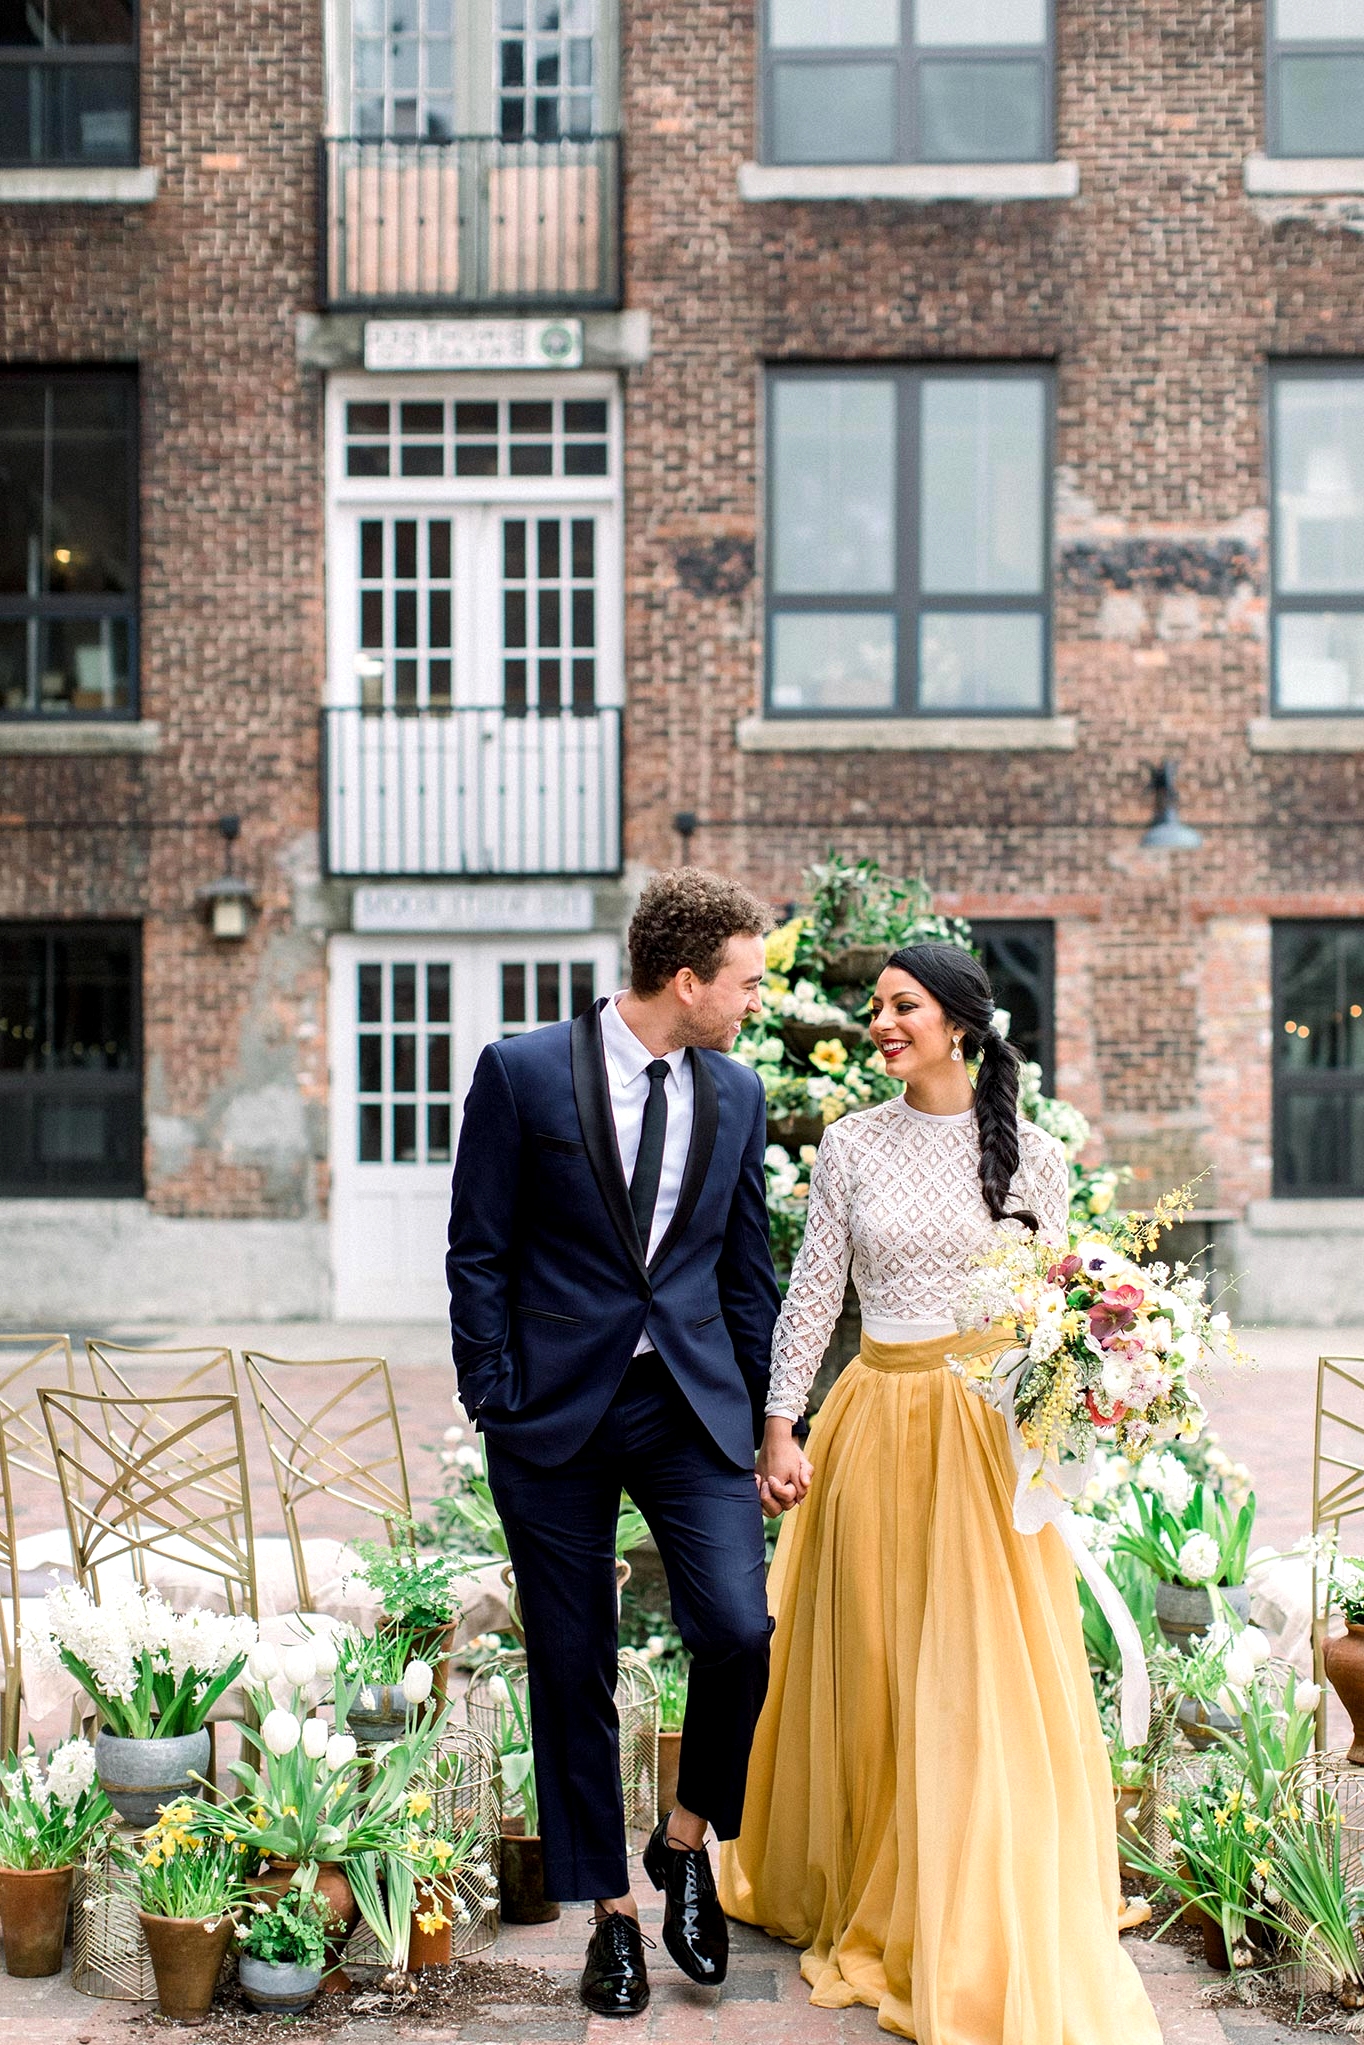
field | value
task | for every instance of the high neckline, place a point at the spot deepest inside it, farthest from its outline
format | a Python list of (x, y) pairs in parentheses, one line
[(939, 1121)]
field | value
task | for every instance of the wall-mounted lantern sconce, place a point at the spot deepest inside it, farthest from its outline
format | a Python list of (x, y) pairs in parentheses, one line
[(684, 823), (229, 900), (1167, 832)]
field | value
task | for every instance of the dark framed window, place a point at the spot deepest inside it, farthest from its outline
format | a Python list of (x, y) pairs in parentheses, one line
[(1315, 77), (546, 69), (68, 81), (1319, 1059), (1020, 959), (907, 81), (68, 543), (70, 1059), (1316, 442), (908, 541)]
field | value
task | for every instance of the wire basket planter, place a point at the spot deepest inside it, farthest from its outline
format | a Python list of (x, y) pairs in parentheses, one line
[(109, 1957), (636, 1699), (463, 1779)]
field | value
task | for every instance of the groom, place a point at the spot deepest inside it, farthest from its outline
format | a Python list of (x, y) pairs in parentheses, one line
[(612, 1301)]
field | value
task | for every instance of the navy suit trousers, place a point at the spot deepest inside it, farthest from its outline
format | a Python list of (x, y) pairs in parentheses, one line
[(560, 1524)]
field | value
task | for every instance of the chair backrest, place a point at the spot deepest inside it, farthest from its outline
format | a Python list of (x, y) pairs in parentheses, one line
[(331, 1426), (152, 1375), (163, 1480), (27, 1361)]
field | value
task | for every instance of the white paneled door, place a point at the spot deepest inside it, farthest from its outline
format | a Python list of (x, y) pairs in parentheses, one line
[(409, 1016)]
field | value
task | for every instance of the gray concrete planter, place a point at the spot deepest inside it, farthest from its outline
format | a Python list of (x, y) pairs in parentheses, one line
[(276, 1984), (139, 1775), (1184, 1610), (379, 1714)]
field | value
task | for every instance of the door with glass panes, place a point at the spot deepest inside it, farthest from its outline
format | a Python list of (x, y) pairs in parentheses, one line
[(409, 1017)]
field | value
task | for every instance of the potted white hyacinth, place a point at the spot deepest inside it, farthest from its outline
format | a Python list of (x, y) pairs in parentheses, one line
[(154, 1676), (1190, 1550)]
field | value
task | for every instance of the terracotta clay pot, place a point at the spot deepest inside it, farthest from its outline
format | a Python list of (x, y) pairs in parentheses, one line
[(1343, 1658), (33, 1905), (429, 1948), (1127, 1802), (335, 1889), (669, 1754), (187, 1957), (1214, 1945), (522, 1879)]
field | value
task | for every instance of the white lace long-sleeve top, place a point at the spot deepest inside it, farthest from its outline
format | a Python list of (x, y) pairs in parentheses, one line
[(897, 1192)]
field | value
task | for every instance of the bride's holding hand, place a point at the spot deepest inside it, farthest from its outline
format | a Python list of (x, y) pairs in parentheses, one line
[(929, 1810)]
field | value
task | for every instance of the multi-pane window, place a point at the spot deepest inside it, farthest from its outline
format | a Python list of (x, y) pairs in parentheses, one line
[(1317, 425), (70, 1059), (68, 82), (1316, 77), (68, 524), (540, 991), (549, 615), (478, 437), (406, 596), (908, 541), (403, 1063), (907, 81), (546, 83), (1020, 960), (403, 69), (1319, 1058)]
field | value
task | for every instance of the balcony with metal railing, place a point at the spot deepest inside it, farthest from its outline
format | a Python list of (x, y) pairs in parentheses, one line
[(473, 221), (430, 793)]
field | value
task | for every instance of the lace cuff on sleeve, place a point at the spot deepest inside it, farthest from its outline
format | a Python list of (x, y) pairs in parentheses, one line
[(815, 1295), (1049, 1193)]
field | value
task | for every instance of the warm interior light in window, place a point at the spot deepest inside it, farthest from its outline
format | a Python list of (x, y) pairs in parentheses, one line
[(62, 554), (1355, 1008), (1291, 1028), (1303, 1030)]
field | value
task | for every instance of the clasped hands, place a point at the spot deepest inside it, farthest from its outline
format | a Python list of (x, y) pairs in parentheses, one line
[(783, 1471)]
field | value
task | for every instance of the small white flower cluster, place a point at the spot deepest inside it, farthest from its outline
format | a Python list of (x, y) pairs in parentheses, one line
[(69, 1774), (1200, 1559), (111, 1639), (804, 1003)]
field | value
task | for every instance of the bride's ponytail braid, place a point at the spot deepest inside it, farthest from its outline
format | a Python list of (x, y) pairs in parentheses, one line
[(958, 983)]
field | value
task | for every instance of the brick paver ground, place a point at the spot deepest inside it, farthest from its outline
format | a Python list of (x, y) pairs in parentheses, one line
[(1264, 1416)]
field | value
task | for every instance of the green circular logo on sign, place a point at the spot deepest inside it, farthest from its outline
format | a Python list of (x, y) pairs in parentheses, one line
[(557, 342)]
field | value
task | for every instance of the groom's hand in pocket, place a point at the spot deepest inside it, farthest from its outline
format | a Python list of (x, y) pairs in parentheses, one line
[(783, 1472)]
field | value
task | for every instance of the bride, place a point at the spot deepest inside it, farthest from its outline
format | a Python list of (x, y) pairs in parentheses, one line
[(929, 1810)]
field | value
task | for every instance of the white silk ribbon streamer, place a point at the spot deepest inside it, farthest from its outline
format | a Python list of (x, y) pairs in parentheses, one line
[(1041, 1498)]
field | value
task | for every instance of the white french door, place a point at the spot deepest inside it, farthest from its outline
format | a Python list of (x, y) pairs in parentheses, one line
[(409, 1017)]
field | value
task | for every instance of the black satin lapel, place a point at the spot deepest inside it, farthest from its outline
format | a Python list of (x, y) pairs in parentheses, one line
[(705, 1119), (593, 1098)]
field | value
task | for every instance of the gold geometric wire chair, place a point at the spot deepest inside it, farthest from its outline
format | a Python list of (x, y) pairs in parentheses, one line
[(331, 1427), (139, 1482), (121, 1372), (1337, 1479), (26, 1362)]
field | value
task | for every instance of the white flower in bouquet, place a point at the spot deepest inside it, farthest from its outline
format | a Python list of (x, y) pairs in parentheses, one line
[(418, 1678), (341, 1750), (1116, 1377), (1200, 1559), (1220, 1324), (1045, 1340), (316, 1734), (299, 1665), (281, 1732)]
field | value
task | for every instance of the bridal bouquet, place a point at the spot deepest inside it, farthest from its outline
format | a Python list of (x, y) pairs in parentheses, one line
[(1094, 1344)]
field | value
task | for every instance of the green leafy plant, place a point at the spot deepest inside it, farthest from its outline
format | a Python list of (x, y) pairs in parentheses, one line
[(1206, 1542), (1347, 1588), (1221, 1847), (516, 1754), (672, 1693), (290, 1932), (187, 1869), (50, 1810), (468, 1523), (420, 1593), (1307, 1872)]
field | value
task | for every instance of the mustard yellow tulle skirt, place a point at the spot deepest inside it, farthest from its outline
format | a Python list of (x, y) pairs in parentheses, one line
[(929, 1810)]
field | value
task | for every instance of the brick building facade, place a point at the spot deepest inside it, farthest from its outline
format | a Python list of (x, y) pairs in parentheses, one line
[(778, 416)]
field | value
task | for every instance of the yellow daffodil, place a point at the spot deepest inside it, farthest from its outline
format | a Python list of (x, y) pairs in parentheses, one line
[(418, 1804), (259, 1819), (1220, 1819), (432, 1920), (441, 1851), (1252, 1824), (1171, 1814), (1264, 1869)]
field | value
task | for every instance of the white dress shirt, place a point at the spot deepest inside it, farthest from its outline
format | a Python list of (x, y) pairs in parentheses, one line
[(627, 1061)]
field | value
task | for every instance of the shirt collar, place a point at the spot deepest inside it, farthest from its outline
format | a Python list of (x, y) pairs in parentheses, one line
[(628, 1057)]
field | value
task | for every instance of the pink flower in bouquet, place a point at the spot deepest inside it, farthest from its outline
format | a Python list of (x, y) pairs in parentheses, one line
[(1099, 1417), (1062, 1273), (1114, 1312)]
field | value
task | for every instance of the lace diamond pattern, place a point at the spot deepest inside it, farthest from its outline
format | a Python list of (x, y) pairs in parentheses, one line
[(897, 1193)]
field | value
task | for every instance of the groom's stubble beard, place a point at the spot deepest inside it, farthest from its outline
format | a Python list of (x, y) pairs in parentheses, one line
[(707, 1030)]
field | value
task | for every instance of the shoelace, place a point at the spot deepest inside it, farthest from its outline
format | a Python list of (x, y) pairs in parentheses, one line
[(598, 1922)]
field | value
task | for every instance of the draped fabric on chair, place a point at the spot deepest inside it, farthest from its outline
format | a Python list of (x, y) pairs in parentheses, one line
[(26, 1362)]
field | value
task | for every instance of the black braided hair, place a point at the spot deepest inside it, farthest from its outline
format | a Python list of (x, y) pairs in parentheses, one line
[(959, 984)]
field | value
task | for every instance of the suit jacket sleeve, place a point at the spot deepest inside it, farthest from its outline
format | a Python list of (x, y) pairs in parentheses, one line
[(749, 1295), (482, 1229)]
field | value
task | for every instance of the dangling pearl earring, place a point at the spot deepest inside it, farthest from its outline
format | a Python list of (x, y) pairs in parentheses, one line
[(956, 1050)]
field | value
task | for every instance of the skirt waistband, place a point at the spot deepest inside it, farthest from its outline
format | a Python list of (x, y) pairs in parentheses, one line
[(924, 1356)]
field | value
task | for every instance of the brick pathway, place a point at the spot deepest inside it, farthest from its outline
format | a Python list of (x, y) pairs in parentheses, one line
[(1264, 1416)]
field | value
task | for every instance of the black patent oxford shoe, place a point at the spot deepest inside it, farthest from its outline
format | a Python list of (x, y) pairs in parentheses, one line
[(694, 1927), (614, 1981)]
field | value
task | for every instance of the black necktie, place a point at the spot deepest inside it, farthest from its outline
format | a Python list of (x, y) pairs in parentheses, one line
[(649, 1162)]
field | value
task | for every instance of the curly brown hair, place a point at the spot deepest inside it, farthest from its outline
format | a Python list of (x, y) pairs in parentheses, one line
[(686, 917)]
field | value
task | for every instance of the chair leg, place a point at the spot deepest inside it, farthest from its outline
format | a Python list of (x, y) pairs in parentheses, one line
[(211, 1772)]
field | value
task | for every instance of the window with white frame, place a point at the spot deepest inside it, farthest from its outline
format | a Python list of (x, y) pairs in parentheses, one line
[(907, 81), (546, 69), (474, 546), (1315, 77), (1317, 455)]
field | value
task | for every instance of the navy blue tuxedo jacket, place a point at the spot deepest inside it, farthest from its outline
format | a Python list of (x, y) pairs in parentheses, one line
[(549, 1287)]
